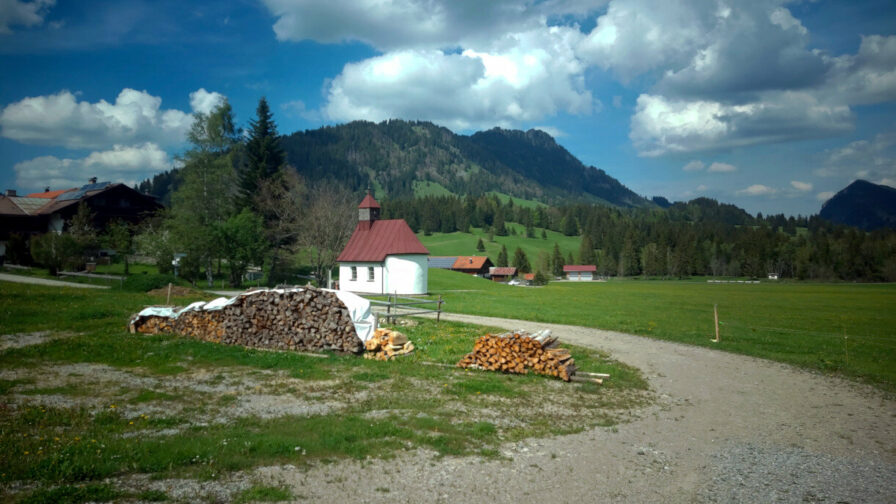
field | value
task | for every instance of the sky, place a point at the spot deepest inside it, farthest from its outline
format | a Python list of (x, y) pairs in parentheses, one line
[(771, 105)]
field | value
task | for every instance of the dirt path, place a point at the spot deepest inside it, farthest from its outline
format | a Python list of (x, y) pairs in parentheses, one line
[(726, 428), (5, 277)]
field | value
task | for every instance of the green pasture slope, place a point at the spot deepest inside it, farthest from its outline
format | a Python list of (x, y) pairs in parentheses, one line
[(457, 243), (842, 328)]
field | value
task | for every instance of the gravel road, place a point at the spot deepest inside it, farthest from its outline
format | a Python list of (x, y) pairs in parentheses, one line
[(43, 281), (726, 428)]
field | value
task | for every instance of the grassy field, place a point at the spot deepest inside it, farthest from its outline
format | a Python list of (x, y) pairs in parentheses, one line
[(843, 328), (454, 244), (87, 401)]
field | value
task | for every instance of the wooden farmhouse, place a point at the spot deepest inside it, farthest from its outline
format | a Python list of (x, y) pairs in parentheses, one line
[(502, 273), (581, 273), (46, 211), (473, 265), (382, 256)]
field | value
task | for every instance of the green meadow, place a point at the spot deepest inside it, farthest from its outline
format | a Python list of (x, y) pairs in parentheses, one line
[(456, 244), (849, 329)]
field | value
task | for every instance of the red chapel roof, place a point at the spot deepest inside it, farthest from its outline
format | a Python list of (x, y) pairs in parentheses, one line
[(368, 202), (382, 238), (572, 268)]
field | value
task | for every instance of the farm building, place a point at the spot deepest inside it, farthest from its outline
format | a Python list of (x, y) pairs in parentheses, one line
[(583, 273), (382, 256), (442, 262), (46, 211), (473, 265), (502, 274)]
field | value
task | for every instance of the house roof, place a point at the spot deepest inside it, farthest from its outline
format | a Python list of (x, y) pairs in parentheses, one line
[(49, 194), (470, 262), (572, 268), (502, 271), (380, 239), (529, 276), (368, 202), (442, 262)]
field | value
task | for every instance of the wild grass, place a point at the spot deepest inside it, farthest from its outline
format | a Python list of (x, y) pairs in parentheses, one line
[(382, 407), (838, 328)]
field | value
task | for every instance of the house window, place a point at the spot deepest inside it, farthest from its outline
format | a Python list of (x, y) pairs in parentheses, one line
[(370, 273), (354, 273)]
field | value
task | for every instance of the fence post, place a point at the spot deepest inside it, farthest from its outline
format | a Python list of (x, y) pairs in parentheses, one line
[(715, 312), (439, 311)]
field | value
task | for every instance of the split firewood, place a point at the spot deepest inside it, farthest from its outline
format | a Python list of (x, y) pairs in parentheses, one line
[(520, 352), (305, 319), (386, 344)]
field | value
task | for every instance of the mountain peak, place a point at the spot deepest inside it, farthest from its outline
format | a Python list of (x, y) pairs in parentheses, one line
[(862, 204)]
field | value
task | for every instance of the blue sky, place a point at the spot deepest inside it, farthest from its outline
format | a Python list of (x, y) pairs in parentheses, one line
[(772, 105)]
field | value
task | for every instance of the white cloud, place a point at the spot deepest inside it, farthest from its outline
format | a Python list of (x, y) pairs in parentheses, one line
[(203, 102), (128, 165), (27, 14), (403, 24), (661, 125), (694, 166), (865, 159), (866, 77), (523, 77), (757, 190), (824, 196), (721, 168), (135, 117), (801, 186)]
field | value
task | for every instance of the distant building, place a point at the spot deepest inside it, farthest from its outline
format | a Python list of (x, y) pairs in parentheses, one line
[(502, 273), (580, 273), (442, 262), (382, 256), (473, 265), (46, 211)]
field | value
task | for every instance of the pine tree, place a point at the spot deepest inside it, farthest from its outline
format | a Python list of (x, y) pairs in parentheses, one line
[(557, 262), (264, 156), (480, 246), (521, 261), (586, 251), (502, 257)]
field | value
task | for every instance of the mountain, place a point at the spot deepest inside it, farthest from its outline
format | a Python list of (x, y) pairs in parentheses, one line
[(392, 155), (864, 205)]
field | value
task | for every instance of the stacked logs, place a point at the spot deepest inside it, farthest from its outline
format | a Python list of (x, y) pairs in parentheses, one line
[(386, 344), (519, 352), (300, 319)]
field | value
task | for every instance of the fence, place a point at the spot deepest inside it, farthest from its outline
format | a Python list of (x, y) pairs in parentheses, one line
[(397, 306)]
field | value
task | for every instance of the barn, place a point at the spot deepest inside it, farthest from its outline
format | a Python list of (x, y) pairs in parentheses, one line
[(473, 265), (382, 256), (580, 272)]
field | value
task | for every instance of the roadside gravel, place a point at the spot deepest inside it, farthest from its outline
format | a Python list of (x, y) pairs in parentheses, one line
[(726, 428)]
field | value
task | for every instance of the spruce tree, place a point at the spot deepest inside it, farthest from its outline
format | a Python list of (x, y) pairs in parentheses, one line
[(521, 261), (264, 156), (557, 262), (502, 257), (480, 246)]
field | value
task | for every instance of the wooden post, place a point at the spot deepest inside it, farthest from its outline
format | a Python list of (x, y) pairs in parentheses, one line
[(168, 301), (439, 312), (846, 346), (715, 311), (389, 309)]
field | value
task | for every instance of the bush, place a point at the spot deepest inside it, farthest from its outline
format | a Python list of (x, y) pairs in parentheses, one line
[(147, 282)]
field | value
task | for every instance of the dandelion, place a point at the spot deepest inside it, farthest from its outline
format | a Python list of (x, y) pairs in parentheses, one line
[(111, 406), (77, 438), (26, 453), (131, 423)]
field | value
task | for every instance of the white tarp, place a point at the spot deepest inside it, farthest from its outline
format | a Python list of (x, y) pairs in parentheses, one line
[(358, 309)]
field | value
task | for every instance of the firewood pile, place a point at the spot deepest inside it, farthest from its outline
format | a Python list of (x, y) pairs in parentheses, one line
[(306, 319), (386, 344), (520, 352)]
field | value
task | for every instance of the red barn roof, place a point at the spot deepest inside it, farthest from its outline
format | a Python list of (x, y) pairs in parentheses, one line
[(381, 238), (503, 271), (470, 262), (49, 194), (571, 268)]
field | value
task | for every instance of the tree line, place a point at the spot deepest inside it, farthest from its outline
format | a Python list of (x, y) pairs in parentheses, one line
[(699, 237)]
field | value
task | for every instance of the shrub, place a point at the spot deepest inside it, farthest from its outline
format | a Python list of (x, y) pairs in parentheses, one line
[(147, 282)]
